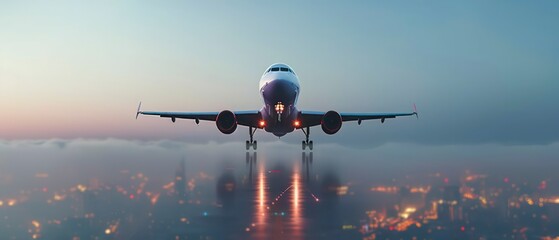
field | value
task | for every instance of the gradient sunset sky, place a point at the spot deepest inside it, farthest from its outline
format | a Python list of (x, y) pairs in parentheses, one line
[(480, 72)]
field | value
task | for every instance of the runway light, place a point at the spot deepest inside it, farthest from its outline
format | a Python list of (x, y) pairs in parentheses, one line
[(262, 123), (297, 123)]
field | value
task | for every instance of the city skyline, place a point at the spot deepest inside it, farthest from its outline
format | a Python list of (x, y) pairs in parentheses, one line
[(257, 195)]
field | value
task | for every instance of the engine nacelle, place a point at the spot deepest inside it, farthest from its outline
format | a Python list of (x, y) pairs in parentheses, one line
[(331, 122), (226, 122)]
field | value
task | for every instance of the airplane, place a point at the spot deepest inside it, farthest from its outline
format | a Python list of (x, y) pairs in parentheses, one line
[(279, 88)]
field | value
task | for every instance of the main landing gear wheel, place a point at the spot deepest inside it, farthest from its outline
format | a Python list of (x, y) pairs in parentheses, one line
[(251, 143), (248, 144), (306, 143)]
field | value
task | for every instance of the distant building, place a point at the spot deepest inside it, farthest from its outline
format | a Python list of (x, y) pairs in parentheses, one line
[(449, 207), (180, 180)]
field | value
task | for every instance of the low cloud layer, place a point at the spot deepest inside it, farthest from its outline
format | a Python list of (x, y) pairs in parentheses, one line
[(83, 158)]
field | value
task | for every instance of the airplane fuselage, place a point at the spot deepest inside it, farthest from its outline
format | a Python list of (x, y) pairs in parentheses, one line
[(279, 87)]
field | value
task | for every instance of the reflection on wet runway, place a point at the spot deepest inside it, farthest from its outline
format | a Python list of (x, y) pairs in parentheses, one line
[(285, 200), (277, 194)]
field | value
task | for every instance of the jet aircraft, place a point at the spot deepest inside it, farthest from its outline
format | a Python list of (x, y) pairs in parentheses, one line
[(279, 88)]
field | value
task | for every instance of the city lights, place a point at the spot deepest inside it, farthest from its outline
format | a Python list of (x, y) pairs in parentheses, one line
[(385, 189), (36, 224), (81, 187), (405, 207)]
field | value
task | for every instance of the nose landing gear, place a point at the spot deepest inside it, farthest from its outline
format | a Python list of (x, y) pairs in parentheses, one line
[(306, 143)]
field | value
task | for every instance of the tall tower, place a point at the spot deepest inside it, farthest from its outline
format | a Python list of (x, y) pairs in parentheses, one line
[(450, 207), (180, 180)]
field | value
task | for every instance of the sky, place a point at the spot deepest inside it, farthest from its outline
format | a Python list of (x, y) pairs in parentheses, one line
[(481, 73)]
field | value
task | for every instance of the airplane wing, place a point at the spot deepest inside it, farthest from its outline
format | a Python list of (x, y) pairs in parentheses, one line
[(244, 118), (312, 118)]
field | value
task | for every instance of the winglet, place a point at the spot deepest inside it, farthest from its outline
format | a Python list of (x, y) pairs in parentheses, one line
[(138, 111), (415, 111)]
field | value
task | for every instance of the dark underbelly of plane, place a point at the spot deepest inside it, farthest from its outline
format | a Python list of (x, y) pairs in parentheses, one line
[(279, 126), (280, 129)]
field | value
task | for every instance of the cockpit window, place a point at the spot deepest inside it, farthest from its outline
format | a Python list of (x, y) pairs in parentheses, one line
[(277, 69)]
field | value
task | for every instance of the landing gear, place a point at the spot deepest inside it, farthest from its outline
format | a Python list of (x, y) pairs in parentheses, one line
[(251, 143), (306, 143)]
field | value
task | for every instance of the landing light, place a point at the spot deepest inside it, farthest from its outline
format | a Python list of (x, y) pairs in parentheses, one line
[(262, 123), (279, 107), (297, 123)]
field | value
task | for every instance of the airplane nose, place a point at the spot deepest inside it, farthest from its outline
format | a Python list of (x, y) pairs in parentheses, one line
[(280, 90)]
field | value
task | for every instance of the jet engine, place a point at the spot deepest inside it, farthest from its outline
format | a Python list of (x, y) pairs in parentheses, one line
[(331, 122), (226, 122)]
